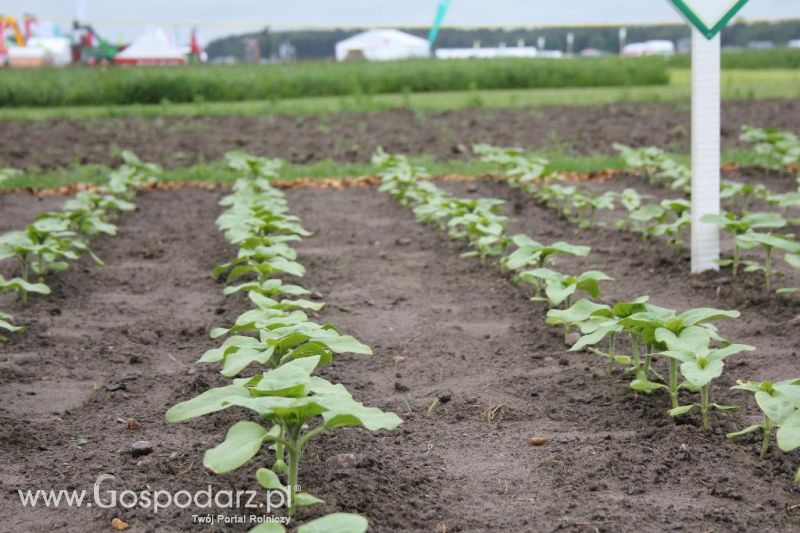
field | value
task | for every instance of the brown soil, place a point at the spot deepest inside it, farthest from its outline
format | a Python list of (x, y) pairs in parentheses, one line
[(118, 343), (354, 136)]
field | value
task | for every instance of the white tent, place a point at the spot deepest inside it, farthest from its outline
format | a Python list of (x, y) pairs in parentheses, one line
[(487, 53), (649, 48), (382, 45), (152, 48)]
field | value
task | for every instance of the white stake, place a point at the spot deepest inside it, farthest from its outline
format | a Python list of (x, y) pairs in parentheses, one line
[(705, 149)]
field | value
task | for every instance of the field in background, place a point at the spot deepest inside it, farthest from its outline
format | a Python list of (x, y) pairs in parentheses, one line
[(737, 84), (114, 86)]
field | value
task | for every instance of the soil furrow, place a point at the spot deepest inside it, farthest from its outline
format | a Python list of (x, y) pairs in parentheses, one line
[(612, 458)]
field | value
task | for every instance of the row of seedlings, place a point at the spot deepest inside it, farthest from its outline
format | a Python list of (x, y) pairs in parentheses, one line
[(57, 237), (671, 218), (748, 230), (271, 352), (688, 342)]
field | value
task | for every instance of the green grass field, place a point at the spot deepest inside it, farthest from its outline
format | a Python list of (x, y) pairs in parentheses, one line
[(737, 84), (208, 83)]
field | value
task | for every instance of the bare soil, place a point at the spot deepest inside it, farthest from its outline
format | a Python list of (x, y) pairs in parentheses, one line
[(118, 342), (355, 136)]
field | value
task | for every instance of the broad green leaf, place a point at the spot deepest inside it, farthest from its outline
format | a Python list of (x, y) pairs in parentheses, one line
[(642, 384), (345, 344), (789, 433), (743, 432), (10, 327), (691, 339), (242, 358), (697, 316), (345, 411), (208, 402), (290, 380), (681, 410), (242, 442), (335, 523), (577, 312), (596, 336), (700, 376), (790, 389), (269, 479), (272, 407), (304, 499)]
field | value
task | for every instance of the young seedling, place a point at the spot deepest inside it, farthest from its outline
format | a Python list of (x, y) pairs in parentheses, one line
[(631, 200), (22, 287), (746, 192), (478, 222), (648, 160), (778, 402), (699, 365), (793, 260), (298, 407), (134, 173), (530, 253), (42, 247), (559, 288), (525, 171), (787, 202), (587, 206), (253, 167), (768, 242), (679, 175), (598, 321), (7, 325), (271, 288), (264, 261), (736, 226), (777, 148), (282, 337), (656, 326)]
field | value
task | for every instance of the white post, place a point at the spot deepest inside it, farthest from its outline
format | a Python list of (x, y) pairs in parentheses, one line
[(705, 149)]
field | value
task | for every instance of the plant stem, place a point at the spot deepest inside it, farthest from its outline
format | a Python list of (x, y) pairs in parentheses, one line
[(736, 257), (279, 466), (612, 347), (704, 406), (635, 351), (765, 440), (673, 382), (294, 464), (768, 269)]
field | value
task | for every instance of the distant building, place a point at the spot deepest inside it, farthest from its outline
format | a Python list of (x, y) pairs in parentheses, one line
[(592, 52), (649, 48), (486, 53), (382, 45), (794, 43), (760, 45)]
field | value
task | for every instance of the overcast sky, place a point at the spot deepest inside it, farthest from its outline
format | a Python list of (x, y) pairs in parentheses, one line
[(237, 16)]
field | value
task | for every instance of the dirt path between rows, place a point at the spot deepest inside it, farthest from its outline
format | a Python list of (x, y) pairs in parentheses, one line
[(446, 332), (355, 136), (109, 344)]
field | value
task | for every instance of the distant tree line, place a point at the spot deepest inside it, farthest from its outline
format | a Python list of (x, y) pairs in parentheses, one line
[(319, 44)]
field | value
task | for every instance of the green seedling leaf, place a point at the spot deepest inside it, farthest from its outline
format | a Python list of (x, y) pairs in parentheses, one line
[(242, 442), (336, 523)]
